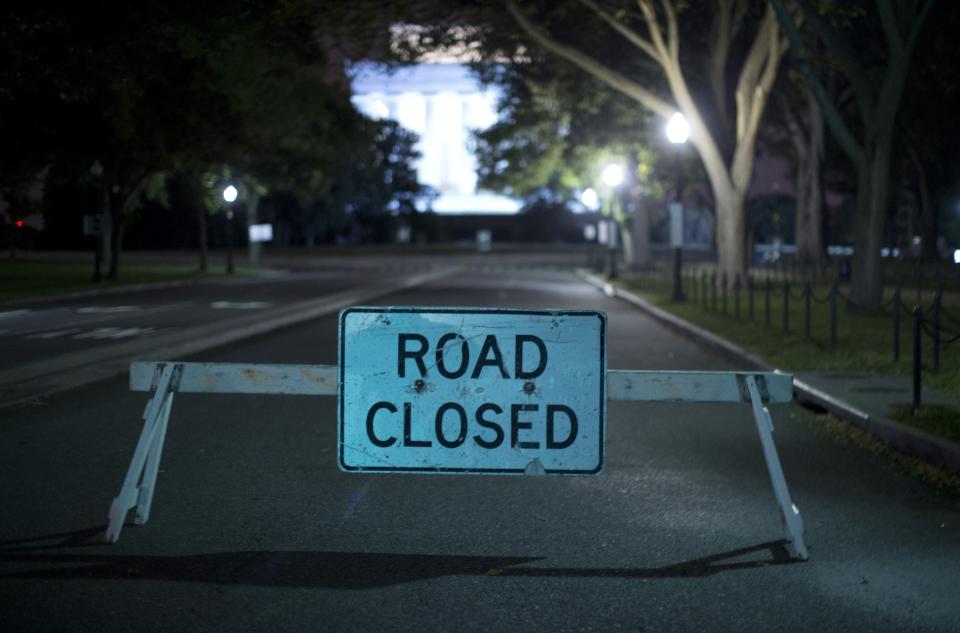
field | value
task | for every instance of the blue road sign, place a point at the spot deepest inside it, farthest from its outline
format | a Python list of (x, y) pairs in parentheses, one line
[(472, 390)]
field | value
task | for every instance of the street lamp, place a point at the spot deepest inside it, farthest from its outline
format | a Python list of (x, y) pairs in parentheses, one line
[(612, 176), (678, 131), (229, 196)]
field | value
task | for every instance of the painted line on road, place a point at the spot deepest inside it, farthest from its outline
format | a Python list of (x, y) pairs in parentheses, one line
[(54, 334), (240, 305), (49, 376), (106, 309), (13, 313)]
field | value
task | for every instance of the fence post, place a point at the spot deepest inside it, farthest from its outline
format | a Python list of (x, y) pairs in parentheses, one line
[(834, 290), (749, 297), (703, 289), (806, 309), (736, 296), (917, 324), (786, 306), (936, 332), (713, 291), (896, 325), (919, 275), (766, 301), (724, 288)]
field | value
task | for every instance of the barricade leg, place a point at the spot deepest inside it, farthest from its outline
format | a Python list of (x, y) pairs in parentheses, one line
[(149, 482), (789, 514), (146, 457)]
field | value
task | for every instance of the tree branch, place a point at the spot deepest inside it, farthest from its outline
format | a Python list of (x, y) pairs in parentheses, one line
[(856, 73), (918, 22), (840, 130), (889, 23), (612, 78), (631, 36), (653, 25)]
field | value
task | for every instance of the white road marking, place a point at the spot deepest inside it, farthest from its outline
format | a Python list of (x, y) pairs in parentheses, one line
[(13, 313), (54, 334), (113, 333), (106, 309), (240, 305)]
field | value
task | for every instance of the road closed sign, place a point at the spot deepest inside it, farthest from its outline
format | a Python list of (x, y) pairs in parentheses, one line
[(449, 390)]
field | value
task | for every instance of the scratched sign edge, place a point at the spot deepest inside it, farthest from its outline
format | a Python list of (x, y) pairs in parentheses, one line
[(341, 334)]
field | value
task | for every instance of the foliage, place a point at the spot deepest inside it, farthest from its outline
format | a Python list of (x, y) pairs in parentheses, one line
[(119, 97)]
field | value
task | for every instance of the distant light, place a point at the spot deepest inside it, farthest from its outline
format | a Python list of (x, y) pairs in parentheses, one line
[(379, 109), (230, 193), (590, 199), (612, 175), (678, 130), (590, 232), (956, 256), (260, 232), (19, 224)]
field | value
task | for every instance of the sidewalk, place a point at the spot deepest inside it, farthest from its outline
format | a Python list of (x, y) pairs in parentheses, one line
[(861, 399)]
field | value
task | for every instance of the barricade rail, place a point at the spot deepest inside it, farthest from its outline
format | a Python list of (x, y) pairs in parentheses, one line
[(165, 379)]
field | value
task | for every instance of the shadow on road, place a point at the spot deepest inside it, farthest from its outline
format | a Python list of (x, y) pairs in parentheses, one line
[(341, 570)]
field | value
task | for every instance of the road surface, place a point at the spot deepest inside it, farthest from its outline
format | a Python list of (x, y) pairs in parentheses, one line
[(254, 527)]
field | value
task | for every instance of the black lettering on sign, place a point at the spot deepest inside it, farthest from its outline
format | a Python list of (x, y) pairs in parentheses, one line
[(519, 372), (376, 441), (517, 425), (490, 347), (408, 431), (489, 424), (441, 355), (462, 435), (403, 353), (552, 409)]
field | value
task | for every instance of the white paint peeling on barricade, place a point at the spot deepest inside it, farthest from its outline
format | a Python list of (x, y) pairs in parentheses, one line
[(451, 390)]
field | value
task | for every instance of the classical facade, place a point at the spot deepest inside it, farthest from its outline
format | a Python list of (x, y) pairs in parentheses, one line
[(443, 103)]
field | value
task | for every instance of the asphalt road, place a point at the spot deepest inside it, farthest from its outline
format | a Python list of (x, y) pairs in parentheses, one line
[(254, 527)]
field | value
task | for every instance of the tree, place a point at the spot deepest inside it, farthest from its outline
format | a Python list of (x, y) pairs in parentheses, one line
[(797, 123), (138, 92), (656, 34), (866, 135), (557, 130), (930, 145)]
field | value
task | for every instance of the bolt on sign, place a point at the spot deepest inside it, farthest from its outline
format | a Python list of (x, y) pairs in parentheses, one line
[(473, 390)]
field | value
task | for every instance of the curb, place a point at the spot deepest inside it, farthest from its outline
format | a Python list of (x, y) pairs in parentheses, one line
[(45, 378), (930, 448)]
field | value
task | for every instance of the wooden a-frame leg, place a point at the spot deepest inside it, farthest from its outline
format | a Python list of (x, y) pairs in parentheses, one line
[(790, 515), (146, 458)]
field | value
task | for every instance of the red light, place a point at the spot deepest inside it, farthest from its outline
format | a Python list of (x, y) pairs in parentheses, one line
[(19, 224)]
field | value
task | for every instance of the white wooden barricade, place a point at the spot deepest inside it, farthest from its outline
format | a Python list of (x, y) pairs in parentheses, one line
[(166, 379)]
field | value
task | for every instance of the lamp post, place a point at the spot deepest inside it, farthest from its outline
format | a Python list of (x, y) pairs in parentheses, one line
[(678, 131), (612, 176), (229, 196)]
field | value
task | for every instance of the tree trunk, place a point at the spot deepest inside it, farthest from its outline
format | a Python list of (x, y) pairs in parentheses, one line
[(253, 248), (640, 232), (637, 228), (202, 235), (731, 233), (926, 214), (808, 233), (872, 200), (116, 234)]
